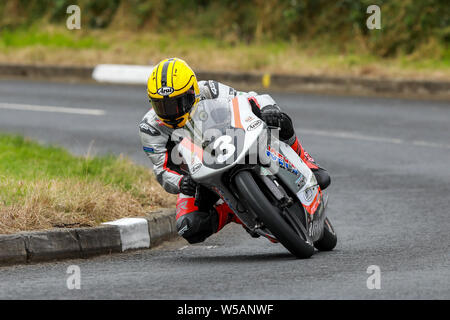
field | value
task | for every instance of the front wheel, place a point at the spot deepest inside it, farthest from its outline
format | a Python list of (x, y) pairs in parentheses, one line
[(329, 238), (253, 199)]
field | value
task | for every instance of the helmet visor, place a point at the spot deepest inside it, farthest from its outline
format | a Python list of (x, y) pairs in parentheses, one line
[(172, 108)]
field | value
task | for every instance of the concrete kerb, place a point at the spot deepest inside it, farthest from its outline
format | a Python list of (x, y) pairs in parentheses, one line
[(79, 73), (158, 224), (115, 236), (12, 249), (137, 75)]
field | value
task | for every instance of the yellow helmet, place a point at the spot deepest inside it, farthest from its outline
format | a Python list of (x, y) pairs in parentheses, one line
[(173, 90)]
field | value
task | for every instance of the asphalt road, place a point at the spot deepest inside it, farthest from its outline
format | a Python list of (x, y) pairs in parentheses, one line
[(389, 201)]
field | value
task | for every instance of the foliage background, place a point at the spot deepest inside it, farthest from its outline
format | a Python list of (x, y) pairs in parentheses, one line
[(282, 36), (408, 25)]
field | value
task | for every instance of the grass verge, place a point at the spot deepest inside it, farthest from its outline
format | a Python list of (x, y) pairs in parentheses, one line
[(51, 45), (43, 187)]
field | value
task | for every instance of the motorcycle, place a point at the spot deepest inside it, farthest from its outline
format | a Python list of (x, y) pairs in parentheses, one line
[(233, 153)]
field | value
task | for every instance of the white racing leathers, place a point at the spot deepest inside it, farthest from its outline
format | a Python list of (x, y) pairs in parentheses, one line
[(157, 141)]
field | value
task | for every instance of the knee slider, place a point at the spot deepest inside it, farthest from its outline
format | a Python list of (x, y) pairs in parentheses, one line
[(196, 226)]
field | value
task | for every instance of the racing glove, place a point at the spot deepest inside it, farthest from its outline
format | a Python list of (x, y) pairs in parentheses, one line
[(272, 116), (188, 186)]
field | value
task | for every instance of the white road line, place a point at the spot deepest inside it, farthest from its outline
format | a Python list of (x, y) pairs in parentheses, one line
[(358, 136), (351, 135), (29, 107), (431, 144)]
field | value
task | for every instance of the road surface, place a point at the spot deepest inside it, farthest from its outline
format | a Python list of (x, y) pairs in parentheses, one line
[(389, 201)]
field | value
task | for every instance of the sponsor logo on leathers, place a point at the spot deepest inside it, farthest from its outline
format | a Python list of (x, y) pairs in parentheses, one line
[(148, 129), (213, 88)]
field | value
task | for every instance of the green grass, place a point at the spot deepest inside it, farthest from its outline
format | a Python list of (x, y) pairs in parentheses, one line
[(44, 186), (21, 38), (57, 45), (27, 160)]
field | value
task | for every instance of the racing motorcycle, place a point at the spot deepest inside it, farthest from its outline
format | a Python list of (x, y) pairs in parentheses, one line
[(233, 153)]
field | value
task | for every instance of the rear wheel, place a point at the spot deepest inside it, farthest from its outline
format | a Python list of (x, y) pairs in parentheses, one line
[(329, 238), (252, 197)]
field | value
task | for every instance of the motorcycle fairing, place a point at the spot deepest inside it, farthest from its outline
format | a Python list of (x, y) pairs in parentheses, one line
[(302, 182), (285, 163), (240, 119)]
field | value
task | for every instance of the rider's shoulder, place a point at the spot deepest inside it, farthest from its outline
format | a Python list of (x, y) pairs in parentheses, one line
[(264, 100), (211, 89), (151, 125), (150, 116)]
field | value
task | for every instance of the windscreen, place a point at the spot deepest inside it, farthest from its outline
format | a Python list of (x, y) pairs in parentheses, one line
[(210, 115), (211, 131)]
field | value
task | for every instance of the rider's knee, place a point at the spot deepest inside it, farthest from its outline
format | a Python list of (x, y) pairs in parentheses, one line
[(196, 226), (322, 177)]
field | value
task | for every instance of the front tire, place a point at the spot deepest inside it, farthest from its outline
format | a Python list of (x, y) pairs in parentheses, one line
[(253, 199), (329, 238)]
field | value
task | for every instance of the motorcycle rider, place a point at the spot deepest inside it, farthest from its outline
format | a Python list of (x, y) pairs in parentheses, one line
[(173, 90)]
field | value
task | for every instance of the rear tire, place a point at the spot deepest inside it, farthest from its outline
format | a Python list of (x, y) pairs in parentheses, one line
[(329, 238), (253, 199)]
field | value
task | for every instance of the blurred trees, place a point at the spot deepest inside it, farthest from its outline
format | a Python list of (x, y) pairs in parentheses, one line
[(407, 25)]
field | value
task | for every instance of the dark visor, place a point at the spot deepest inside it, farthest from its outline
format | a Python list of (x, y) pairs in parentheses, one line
[(172, 108)]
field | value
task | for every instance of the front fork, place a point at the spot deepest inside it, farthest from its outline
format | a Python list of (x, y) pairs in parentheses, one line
[(289, 211)]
